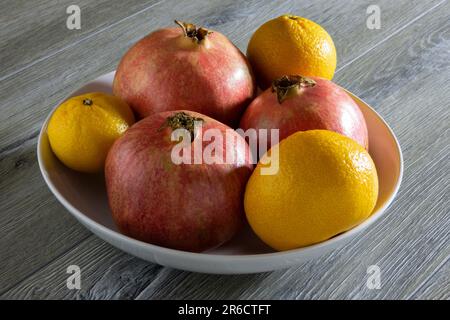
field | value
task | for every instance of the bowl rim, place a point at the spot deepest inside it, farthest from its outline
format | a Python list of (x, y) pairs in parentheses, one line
[(205, 256)]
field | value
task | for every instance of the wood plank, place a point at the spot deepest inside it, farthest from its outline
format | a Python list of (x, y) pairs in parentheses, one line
[(119, 276), (35, 30), (437, 286), (33, 226), (31, 31), (165, 285)]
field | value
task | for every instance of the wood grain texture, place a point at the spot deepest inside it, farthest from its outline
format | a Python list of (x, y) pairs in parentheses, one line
[(45, 34), (33, 226), (437, 286), (119, 276), (404, 77)]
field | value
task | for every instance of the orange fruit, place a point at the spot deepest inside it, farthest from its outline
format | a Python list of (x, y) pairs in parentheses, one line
[(326, 184), (83, 128), (291, 45)]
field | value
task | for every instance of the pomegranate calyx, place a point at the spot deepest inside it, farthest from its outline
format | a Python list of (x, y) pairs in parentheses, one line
[(288, 86), (190, 30), (182, 120)]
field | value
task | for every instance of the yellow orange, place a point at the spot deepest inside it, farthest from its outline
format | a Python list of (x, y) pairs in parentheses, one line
[(291, 45), (326, 184), (83, 128)]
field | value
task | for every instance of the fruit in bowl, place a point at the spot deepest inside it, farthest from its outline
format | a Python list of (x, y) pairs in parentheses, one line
[(326, 184), (186, 67), (297, 103), (186, 203), (162, 191), (83, 128)]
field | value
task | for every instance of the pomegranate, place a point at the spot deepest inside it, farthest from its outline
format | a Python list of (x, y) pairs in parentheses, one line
[(186, 68), (185, 206), (296, 103)]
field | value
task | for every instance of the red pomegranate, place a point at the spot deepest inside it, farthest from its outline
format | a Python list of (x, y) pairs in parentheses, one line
[(296, 103), (184, 206), (186, 68)]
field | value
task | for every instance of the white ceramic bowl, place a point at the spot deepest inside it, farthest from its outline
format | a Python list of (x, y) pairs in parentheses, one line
[(85, 198)]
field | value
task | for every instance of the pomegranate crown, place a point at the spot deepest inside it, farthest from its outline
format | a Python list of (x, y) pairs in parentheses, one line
[(287, 85), (190, 30), (182, 120)]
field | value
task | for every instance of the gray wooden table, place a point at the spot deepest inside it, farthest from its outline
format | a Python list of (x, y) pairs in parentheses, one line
[(402, 69)]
